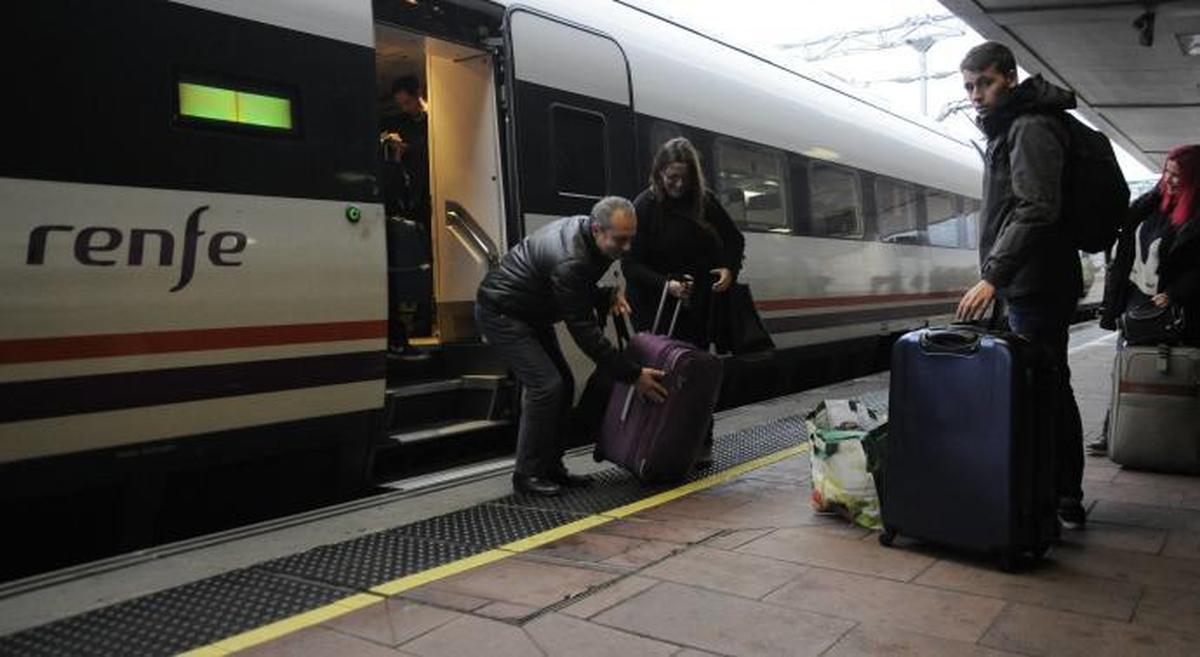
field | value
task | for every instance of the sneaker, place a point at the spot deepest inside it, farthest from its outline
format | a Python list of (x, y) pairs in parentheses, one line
[(1098, 447), (1071, 513)]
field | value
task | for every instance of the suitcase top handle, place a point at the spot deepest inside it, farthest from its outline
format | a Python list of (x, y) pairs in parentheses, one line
[(950, 341)]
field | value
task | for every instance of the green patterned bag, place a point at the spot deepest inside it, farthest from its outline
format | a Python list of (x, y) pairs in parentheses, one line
[(841, 478)]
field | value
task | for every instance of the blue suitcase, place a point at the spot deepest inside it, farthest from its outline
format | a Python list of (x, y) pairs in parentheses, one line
[(970, 460)]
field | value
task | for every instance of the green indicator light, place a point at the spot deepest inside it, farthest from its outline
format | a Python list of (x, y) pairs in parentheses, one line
[(267, 111), (207, 102), (219, 104), (353, 214)]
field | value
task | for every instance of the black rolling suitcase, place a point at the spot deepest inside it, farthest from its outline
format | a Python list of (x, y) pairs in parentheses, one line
[(971, 443)]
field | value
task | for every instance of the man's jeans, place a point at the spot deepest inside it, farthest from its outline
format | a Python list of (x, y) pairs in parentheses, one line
[(1047, 321), (534, 355)]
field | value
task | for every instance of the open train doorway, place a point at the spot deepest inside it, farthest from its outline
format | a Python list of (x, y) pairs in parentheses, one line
[(441, 183)]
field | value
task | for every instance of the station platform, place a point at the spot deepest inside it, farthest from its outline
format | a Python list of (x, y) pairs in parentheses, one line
[(734, 562)]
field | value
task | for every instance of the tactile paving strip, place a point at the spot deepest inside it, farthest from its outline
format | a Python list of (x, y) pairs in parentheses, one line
[(487, 525), (203, 612), (610, 489), (370, 560), (754, 442), (176, 619)]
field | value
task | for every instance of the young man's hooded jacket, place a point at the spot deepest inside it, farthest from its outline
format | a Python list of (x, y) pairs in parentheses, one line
[(1024, 246)]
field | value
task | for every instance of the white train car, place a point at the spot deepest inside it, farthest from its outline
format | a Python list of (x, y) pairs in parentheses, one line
[(194, 288)]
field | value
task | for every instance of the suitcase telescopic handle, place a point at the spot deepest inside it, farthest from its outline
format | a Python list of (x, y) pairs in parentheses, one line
[(950, 341), (662, 303)]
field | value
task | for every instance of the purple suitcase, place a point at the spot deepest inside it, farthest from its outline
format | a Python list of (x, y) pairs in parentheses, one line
[(659, 443)]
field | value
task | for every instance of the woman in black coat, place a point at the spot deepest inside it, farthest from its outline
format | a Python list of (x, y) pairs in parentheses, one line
[(682, 231), (1158, 252)]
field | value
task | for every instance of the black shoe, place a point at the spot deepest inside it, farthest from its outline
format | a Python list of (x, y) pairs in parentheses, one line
[(705, 461), (532, 485), (568, 480), (1071, 513), (1098, 447)]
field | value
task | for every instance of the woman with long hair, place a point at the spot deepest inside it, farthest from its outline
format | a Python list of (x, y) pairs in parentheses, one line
[(1158, 252), (682, 232)]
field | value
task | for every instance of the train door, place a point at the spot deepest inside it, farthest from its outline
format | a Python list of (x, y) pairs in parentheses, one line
[(573, 126), (573, 117), (441, 182)]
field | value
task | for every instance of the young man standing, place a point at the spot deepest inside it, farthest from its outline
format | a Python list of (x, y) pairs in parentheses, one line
[(405, 137), (1027, 256), (549, 277)]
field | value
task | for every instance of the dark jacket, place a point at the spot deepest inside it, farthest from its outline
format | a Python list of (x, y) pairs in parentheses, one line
[(671, 242), (1024, 246), (551, 276), (1178, 265)]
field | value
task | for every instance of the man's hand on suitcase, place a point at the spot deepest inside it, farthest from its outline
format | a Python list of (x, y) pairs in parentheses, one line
[(975, 302), (648, 385)]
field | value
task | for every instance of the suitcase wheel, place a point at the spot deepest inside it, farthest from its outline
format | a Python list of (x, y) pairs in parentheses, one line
[(887, 536)]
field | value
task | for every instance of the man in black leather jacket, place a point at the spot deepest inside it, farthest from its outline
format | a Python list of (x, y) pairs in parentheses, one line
[(551, 276), (1027, 256)]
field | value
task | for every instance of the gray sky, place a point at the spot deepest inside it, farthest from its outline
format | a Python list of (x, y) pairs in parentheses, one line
[(763, 25)]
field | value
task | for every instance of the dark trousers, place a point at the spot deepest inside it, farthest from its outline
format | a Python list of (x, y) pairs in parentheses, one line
[(1047, 322), (548, 388)]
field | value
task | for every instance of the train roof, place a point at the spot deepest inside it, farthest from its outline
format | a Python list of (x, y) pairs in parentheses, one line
[(684, 76)]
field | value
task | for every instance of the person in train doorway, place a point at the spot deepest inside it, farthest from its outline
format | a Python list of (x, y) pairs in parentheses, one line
[(551, 276), (683, 231), (405, 140), (1158, 254), (1027, 257)]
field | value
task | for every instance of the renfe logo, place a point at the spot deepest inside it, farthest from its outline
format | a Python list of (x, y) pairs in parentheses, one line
[(94, 240)]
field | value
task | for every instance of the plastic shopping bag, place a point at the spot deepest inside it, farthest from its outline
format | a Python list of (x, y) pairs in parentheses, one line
[(841, 481)]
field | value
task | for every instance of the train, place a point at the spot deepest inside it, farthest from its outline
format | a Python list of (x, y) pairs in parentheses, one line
[(194, 306)]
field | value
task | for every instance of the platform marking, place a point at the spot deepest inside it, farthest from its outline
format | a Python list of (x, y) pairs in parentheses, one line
[(701, 484), (382, 592), (389, 589), (285, 626), (551, 535)]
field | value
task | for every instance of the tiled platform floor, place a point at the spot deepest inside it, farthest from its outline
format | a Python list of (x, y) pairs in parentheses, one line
[(746, 568)]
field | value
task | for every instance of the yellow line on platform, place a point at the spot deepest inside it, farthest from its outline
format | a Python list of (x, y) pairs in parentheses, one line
[(286, 626), (701, 484), (386, 590), (551, 535), (424, 577)]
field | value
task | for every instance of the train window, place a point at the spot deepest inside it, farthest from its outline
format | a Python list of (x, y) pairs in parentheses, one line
[(836, 201), (660, 133), (217, 104), (896, 204), (577, 139), (751, 184), (971, 212), (946, 221)]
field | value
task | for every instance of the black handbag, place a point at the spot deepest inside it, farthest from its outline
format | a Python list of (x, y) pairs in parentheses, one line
[(1149, 325), (737, 327)]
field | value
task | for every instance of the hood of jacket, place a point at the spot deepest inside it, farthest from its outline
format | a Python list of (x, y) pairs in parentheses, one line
[(1034, 95)]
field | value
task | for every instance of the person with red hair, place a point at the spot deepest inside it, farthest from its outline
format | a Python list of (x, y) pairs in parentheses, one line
[(1158, 252)]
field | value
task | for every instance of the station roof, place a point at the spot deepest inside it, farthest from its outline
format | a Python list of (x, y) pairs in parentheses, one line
[(1146, 98)]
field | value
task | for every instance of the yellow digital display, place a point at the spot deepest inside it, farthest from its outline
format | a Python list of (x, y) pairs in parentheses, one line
[(202, 101)]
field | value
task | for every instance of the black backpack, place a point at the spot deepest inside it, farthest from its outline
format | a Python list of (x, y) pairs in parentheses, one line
[(1095, 196)]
